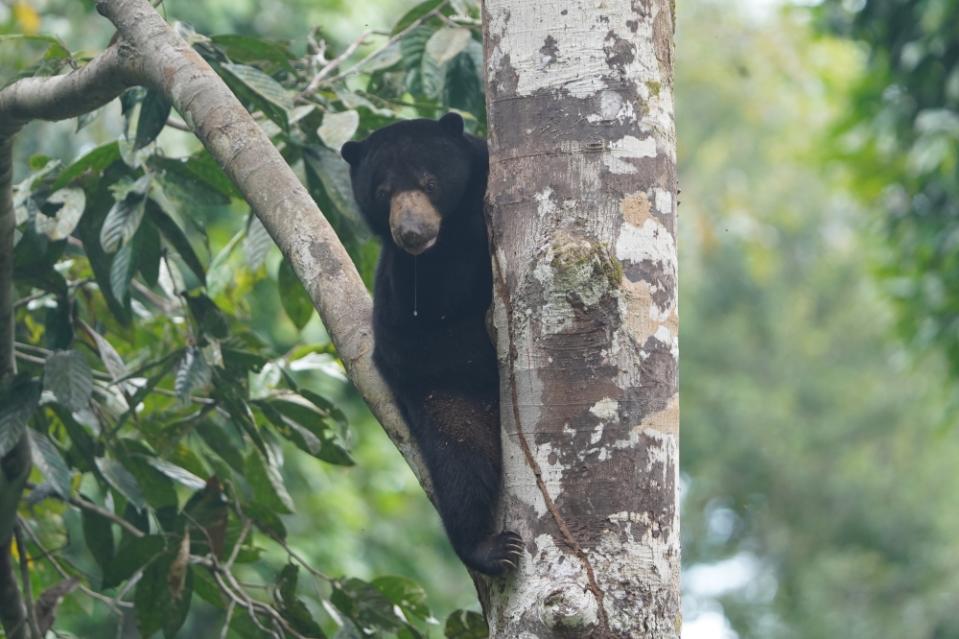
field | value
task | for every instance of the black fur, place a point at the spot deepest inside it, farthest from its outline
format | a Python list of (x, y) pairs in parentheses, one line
[(432, 346)]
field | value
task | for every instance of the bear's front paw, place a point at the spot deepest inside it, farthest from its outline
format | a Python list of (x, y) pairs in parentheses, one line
[(499, 554)]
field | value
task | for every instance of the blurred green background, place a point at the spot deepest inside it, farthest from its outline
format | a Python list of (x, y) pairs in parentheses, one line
[(819, 222)]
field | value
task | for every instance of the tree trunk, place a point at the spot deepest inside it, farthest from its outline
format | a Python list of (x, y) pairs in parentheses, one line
[(582, 201)]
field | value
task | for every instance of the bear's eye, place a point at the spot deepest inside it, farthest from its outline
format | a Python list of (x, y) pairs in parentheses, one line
[(382, 192), (429, 186)]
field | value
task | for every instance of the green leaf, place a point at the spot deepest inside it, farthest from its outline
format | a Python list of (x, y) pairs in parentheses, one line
[(415, 14), (16, 407), (338, 128), (292, 609), (405, 593), (157, 604), (47, 458), (209, 318), (257, 243), (267, 94), (124, 217), (154, 111), (306, 427), (133, 554), (95, 162), (296, 303), (446, 43), (122, 269), (121, 480), (267, 521), (247, 49), (466, 624), (59, 226), (365, 605), (176, 473), (198, 176), (89, 231), (267, 483), (158, 489), (98, 534), (220, 443), (149, 252), (177, 238), (192, 373), (68, 376)]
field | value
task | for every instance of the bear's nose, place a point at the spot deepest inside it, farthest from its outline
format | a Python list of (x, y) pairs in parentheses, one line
[(413, 236)]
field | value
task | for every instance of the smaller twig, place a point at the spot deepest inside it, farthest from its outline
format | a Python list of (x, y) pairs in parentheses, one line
[(113, 604), (206, 401), (313, 571), (229, 617), (25, 583), (331, 65), (99, 510), (247, 526), (353, 69)]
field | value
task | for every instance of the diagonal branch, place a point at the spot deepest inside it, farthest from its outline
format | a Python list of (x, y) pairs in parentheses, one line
[(148, 52), (168, 64)]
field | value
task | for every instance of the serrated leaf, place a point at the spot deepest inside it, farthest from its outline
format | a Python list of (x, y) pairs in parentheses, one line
[(267, 483), (108, 355), (338, 128), (72, 202), (124, 217), (257, 243), (466, 624), (121, 480), (415, 14), (16, 407), (192, 373), (122, 269), (98, 534), (88, 230), (154, 111), (446, 43), (296, 303), (47, 458), (68, 376)]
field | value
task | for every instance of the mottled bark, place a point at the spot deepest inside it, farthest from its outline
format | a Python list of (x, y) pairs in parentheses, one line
[(582, 205)]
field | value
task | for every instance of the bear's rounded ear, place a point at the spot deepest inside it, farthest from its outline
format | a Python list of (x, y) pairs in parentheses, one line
[(352, 152), (452, 123)]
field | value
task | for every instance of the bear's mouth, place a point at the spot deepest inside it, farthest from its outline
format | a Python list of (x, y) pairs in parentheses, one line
[(414, 221)]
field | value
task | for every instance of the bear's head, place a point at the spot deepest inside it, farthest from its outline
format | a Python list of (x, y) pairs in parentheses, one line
[(410, 179)]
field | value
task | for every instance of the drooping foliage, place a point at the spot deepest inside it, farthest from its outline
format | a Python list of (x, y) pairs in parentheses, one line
[(162, 402)]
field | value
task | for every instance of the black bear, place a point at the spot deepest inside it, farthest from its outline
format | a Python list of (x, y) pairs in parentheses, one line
[(420, 186)]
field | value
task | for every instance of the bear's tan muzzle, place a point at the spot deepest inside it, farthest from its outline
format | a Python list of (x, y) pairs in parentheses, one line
[(414, 221)]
